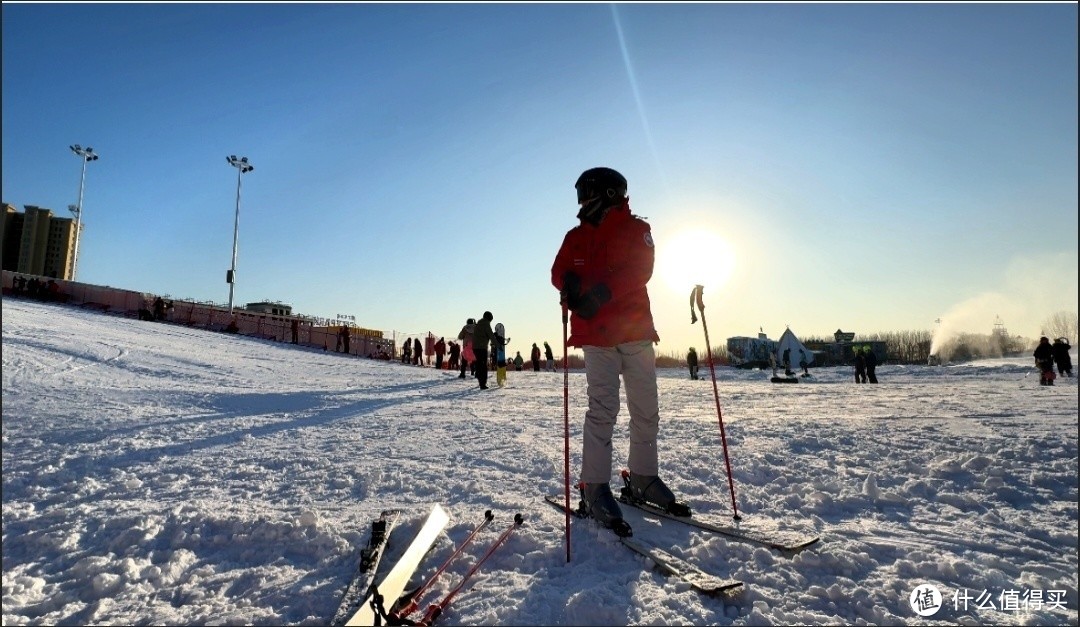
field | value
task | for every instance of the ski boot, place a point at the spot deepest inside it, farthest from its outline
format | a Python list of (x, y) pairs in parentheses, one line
[(599, 503), (651, 490)]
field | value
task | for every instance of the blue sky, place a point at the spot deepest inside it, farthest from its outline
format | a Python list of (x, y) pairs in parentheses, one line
[(870, 167)]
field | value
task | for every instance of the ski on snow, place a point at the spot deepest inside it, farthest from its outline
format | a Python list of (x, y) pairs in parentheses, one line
[(390, 588), (671, 565), (788, 542), (784, 540), (370, 556)]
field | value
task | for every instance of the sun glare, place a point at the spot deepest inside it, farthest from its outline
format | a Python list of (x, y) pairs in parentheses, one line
[(694, 257)]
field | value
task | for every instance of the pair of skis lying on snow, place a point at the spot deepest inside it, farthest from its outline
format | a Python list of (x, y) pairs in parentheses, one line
[(387, 602), (788, 542)]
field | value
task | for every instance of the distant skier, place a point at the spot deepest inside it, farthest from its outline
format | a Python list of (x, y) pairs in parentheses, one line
[(344, 338), (467, 356), (482, 337), (1044, 359), (692, 363), (549, 357), (787, 362), (454, 356), (860, 366), (440, 350), (500, 343), (535, 355), (871, 364), (1062, 357), (805, 366)]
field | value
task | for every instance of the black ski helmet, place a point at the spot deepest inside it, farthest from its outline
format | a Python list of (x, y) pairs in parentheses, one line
[(602, 183), (597, 190)]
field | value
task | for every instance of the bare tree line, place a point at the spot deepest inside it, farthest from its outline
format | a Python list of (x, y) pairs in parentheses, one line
[(1061, 324)]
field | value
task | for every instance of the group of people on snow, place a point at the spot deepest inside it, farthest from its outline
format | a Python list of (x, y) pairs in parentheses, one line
[(412, 352), (786, 360), (156, 311), (47, 290), (865, 365), (1048, 355), (478, 359)]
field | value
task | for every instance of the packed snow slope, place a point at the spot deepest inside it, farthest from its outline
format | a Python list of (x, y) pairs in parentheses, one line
[(157, 474)]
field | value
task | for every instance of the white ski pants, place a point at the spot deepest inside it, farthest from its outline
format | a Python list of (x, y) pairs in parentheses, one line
[(636, 362)]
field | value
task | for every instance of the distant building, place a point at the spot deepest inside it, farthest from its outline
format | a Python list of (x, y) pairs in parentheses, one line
[(844, 336), (753, 352), (842, 351), (750, 352), (37, 243), (274, 309)]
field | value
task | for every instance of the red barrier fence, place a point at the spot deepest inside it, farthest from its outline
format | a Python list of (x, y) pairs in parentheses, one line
[(294, 329)]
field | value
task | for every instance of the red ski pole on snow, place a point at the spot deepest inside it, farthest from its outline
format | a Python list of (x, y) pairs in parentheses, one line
[(436, 609), (408, 604), (696, 295), (566, 421)]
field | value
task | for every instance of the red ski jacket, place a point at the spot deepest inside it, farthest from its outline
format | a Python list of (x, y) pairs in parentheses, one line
[(619, 254)]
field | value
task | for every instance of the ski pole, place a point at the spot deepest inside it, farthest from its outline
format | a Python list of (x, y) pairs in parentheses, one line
[(407, 603), (566, 422), (436, 609), (696, 294)]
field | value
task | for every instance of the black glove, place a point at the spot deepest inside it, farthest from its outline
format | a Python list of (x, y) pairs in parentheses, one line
[(571, 288), (590, 302), (584, 305)]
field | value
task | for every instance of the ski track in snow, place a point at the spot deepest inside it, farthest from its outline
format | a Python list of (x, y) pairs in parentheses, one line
[(156, 474)]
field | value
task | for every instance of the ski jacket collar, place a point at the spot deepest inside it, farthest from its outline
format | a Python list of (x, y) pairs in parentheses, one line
[(617, 212)]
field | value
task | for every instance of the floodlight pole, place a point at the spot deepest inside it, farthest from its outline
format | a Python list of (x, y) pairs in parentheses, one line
[(242, 166), (86, 155)]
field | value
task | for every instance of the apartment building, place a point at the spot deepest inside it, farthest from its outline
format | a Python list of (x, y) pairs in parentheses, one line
[(37, 242)]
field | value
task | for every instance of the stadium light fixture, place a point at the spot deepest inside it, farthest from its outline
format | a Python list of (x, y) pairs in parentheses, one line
[(243, 167)]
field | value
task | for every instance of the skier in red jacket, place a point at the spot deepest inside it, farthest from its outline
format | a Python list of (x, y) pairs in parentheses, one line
[(601, 272)]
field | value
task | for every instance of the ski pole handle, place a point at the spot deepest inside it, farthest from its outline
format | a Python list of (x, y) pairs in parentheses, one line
[(695, 296)]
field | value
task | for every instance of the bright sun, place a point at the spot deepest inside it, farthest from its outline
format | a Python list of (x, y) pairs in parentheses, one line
[(694, 257)]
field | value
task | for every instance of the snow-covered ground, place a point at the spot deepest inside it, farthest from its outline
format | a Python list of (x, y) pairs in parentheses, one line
[(156, 474)]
